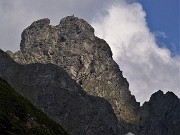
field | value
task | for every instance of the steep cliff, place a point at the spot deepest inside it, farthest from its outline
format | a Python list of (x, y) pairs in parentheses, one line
[(52, 90), (73, 46)]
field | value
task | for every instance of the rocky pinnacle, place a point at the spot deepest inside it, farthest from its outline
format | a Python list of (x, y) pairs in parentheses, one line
[(73, 46), (74, 65)]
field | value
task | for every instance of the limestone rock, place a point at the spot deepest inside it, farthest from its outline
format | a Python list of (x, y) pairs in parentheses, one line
[(73, 46)]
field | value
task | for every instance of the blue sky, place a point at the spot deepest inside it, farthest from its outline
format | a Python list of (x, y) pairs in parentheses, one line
[(163, 16)]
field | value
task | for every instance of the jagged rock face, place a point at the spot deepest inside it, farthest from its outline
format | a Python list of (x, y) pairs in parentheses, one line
[(161, 115), (87, 59), (73, 46), (52, 90)]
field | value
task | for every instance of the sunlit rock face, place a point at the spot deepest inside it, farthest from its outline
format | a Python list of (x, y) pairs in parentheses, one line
[(73, 46)]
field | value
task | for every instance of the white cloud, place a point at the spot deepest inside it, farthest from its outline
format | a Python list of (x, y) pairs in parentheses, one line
[(147, 67)]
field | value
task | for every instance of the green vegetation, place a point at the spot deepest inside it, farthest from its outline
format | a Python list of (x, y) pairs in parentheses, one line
[(19, 117)]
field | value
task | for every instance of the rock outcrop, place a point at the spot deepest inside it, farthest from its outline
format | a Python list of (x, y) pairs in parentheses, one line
[(161, 115), (75, 65), (73, 46), (52, 90), (19, 117)]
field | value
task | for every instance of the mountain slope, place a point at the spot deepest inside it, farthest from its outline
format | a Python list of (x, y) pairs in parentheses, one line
[(19, 116), (52, 90)]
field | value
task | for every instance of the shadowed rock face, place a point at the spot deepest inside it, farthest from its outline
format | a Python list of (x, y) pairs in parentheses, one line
[(161, 115), (73, 46), (18, 116), (52, 90)]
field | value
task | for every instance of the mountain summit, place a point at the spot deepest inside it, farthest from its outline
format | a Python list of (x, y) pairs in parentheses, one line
[(77, 78), (73, 46)]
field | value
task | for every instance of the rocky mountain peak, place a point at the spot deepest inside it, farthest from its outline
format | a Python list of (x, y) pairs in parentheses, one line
[(35, 27), (169, 97), (40, 23), (73, 46), (78, 27), (70, 28), (77, 64), (161, 115)]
